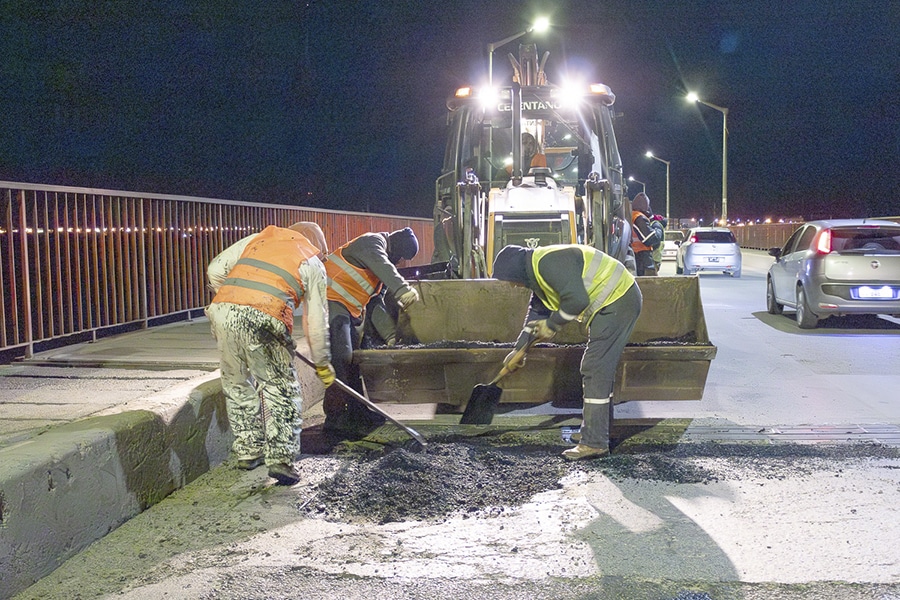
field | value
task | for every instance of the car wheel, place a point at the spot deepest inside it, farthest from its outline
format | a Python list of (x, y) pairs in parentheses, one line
[(736, 274), (679, 270), (805, 317), (771, 304)]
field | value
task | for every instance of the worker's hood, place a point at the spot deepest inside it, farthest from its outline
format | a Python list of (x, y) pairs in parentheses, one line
[(510, 264), (641, 203)]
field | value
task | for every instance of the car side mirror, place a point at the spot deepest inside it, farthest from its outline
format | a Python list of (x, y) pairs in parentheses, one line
[(677, 242), (776, 252)]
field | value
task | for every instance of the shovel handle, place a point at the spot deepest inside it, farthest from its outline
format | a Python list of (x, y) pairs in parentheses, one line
[(519, 355), (412, 432)]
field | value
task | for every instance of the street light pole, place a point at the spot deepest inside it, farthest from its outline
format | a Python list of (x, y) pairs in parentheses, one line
[(692, 97), (667, 163), (643, 185), (540, 25)]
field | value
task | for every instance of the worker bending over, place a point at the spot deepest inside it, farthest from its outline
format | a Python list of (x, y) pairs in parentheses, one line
[(357, 272), (575, 282), (258, 283)]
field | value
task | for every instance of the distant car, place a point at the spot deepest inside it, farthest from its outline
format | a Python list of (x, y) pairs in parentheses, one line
[(670, 243), (838, 267), (709, 249)]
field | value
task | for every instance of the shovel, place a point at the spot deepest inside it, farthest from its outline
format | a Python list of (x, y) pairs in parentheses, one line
[(485, 397), (356, 395)]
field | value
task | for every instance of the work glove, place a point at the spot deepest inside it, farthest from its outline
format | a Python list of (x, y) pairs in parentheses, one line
[(326, 374), (510, 366), (408, 299), (542, 330)]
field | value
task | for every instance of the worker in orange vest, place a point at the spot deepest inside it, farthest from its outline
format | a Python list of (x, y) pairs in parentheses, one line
[(644, 237), (259, 282), (357, 273)]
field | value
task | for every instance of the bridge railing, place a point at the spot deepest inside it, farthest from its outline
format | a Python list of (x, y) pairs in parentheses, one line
[(79, 262), (763, 236)]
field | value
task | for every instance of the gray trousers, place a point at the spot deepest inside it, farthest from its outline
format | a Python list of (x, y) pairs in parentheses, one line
[(608, 335)]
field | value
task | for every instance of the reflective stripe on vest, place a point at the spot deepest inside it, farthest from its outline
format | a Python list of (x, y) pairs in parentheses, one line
[(265, 288), (636, 244), (351, 286)]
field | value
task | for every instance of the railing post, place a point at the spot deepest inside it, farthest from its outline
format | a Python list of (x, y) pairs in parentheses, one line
[(26, 277)]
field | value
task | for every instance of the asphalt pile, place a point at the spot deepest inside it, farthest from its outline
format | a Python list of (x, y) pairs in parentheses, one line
[(479, 476), (446, 479)]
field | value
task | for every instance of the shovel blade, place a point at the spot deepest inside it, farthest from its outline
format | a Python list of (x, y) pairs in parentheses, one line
[(482, 404)]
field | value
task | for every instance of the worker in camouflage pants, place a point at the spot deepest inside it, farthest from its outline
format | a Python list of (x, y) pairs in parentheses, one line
[(259, 282)]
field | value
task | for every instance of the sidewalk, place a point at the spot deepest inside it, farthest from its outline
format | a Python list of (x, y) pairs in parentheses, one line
[(92, 434), (89, 379)]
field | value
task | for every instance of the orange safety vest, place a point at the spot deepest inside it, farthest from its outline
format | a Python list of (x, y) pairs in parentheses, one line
[(349, 285), (266, 276), (636, 244)]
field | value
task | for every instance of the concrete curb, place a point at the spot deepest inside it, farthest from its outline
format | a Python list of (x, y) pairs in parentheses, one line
[(70, 486)]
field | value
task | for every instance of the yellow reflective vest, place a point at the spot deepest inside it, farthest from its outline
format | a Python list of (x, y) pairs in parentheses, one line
[(605, 279)]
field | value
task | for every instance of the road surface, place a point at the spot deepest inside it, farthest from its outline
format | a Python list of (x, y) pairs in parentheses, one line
[(680, 519)]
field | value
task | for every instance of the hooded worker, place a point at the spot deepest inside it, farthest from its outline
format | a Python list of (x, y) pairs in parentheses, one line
[(362, 272), (312, 232), (259, 282), (644, 237), (574, 282)]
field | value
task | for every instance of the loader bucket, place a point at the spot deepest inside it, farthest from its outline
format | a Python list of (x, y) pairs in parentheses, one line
[(464, 329)]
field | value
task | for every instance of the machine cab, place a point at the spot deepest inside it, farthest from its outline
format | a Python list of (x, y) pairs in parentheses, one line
[(524, 165)]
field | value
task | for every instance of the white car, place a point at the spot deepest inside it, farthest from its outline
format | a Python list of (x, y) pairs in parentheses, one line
[(671, 242), (709, 249)]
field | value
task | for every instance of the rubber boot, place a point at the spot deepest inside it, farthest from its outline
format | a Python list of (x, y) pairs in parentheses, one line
[(594, 431)]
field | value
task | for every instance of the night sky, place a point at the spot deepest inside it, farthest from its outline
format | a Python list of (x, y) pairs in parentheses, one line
[(341, 105)]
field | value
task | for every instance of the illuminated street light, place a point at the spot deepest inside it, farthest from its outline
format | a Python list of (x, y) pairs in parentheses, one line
[(667, 162), (643, 185), (692, 97), (540, 25)]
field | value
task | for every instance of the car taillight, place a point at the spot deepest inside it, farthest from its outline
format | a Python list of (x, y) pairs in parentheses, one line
[(693, 239), (824, 244)]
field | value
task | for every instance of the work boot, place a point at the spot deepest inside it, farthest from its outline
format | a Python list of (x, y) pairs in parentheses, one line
[(248, 464), (285, 473), (582, 451)]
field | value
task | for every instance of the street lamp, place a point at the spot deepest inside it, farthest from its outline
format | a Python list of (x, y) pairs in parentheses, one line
[(667, 162), (643, 185), (540, 25), (692, 97)]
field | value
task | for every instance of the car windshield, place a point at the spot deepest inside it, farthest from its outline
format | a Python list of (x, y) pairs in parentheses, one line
[(714, 237), (674, 236), (865, 238)]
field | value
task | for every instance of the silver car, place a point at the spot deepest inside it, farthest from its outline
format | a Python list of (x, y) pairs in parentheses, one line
[(709, 249), (670, 243), (838, 267)]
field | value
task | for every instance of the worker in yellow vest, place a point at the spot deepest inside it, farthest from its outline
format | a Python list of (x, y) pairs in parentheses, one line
[(572, 282)]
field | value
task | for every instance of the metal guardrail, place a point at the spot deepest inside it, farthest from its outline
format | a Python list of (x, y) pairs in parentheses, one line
[(763, 236), (769, 235), (81, 261)]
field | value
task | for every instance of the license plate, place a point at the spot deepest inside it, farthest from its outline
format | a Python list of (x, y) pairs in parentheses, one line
[(879, 292), (712, 259)]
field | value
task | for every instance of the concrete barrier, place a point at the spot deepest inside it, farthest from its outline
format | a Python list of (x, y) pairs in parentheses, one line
[(64, 489)]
